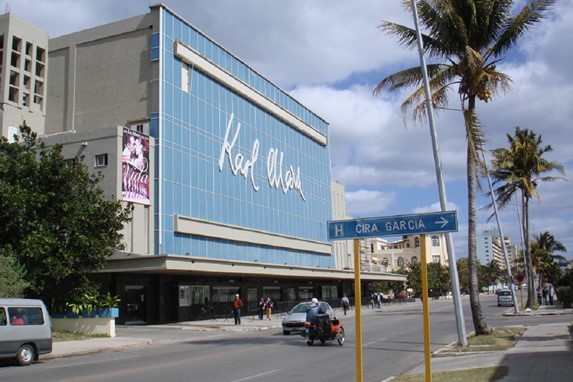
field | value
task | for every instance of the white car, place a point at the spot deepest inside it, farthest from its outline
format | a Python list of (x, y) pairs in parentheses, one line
[(293, 321), (504, 298)]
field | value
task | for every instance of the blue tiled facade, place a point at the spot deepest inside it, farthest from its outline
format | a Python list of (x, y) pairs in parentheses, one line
[(195, 175)]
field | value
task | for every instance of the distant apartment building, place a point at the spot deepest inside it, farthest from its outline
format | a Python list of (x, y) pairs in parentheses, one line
[(490, 248), (387, 256), (23, 72)]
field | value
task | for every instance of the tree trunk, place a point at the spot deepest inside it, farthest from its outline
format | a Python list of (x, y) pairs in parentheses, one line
[(530, 279), (480, 325)]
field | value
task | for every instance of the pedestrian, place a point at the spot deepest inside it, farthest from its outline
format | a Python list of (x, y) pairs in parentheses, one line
[(539, 295), (268, 308), (550, 294), (378, 301), (261, 307), (206, 307), (237, 305), (544, 292), (345, 304), (372, 298)]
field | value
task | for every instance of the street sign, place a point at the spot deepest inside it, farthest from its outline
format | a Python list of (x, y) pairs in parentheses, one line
[(434, 222)]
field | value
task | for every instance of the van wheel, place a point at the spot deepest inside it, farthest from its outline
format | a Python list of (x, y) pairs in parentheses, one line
[(26, 355)]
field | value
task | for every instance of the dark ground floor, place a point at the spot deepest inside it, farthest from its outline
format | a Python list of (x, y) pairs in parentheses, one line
[(148, 298)]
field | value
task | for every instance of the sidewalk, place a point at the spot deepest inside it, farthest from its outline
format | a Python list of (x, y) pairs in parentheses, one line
[(543, 353)]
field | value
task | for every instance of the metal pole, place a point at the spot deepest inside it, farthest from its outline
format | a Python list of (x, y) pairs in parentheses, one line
[(358, 307), (505, 256), (462, 340), (426, 309)]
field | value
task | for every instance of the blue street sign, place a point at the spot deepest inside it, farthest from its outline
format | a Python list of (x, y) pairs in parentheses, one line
[(434, 222)]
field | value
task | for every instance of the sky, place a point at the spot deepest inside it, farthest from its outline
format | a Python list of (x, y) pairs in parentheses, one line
[(330, 54)]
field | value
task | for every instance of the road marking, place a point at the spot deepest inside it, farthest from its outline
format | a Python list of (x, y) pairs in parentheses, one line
[(94, 362), (257, 375), (373, 342)]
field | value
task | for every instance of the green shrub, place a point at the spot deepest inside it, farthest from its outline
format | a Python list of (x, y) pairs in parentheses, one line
[(565, 296)]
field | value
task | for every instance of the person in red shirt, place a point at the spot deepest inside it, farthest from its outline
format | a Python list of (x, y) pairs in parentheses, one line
[(237, 305), (17, 320)]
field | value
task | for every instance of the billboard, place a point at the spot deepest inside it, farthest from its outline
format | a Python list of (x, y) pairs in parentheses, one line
[(135, 167)]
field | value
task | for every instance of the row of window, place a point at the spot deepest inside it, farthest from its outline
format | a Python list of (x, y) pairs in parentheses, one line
[(21, 316)]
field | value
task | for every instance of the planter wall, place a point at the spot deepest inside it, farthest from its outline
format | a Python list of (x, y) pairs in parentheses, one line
[(85, 325)]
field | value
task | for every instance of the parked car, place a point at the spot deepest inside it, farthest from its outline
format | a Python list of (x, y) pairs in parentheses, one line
[(293, 321), (504, 298)]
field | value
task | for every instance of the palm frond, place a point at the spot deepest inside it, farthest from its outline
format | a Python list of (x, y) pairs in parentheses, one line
[(514, 27)]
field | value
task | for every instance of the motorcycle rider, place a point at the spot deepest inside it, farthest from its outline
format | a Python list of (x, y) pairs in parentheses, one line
[(313, 311)]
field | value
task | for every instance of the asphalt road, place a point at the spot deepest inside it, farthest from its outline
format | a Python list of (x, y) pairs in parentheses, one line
[(392, 344)]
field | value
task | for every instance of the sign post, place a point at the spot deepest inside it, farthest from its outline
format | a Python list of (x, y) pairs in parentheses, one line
[(399, 225)]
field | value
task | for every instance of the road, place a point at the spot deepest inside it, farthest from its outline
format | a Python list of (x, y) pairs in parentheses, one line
[(392, 344)]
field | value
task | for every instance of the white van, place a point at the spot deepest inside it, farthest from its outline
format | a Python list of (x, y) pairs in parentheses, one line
[(25, 330)]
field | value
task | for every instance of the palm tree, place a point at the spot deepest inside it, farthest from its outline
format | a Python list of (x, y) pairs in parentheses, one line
[(471, 37), (543, 258), (519, 169)]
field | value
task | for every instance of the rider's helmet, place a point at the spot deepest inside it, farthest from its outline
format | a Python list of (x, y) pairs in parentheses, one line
[(314, 301)]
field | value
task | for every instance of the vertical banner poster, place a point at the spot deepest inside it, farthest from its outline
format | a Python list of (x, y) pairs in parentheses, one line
[(135, 167)]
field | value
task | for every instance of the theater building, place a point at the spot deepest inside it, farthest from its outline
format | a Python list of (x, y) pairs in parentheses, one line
[(229, 176)]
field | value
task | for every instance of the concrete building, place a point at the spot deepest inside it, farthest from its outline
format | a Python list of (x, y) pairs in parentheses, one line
[(490, 248), (23, 70), (387, 256), (229, 176)]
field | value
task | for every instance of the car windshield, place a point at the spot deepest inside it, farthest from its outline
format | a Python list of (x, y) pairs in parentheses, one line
[(300, 308), (504, 293)]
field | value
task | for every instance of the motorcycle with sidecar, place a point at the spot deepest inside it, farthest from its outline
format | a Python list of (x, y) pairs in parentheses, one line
[(323, 329)]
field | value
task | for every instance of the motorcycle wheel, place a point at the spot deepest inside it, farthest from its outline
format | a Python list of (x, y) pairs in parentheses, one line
[(309, 342), (322, 340), (340, 336)]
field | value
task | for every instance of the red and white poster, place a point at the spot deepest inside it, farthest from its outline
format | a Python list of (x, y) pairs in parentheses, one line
[(135, 167)]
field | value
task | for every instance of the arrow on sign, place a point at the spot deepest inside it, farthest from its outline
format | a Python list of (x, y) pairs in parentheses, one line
[(442, 222)]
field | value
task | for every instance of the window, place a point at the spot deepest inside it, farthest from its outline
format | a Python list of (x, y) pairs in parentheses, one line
[(400, 261), (414, 260), (436, 258), (26, 316), (71, 162), (184, 295), (435, 241), (101, 160), (329, 291), (385, 261), (417, 242), (199, 293), (3, 320), (185, 77)]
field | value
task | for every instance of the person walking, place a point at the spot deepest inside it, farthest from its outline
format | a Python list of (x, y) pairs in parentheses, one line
[(268, 308), (550, 294), (544, 292), (345, 304), (237, 305), (539, 295), (261, 307), (378, 301)]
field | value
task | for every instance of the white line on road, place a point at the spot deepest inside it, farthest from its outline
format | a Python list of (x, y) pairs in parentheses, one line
[(373, 342), (94, 362), (257, 375)]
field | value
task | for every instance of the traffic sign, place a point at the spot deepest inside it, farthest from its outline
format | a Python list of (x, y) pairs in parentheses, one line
[(433, 222)]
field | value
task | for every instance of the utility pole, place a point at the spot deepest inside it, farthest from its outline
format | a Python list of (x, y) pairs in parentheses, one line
[(462, 340)]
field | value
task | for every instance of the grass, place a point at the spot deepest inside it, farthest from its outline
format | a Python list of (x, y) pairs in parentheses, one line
[(494, 373), (58, 336), (499, 339)]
